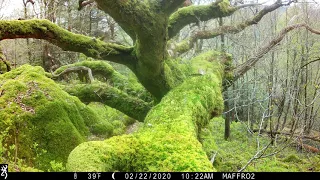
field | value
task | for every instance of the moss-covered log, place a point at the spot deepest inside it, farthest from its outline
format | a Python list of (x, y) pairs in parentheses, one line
[(168, 141), (84, 73)]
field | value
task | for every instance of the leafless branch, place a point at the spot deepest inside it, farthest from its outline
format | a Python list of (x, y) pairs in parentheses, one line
[(314, 138), (315, 60), (243, 68), (258, 155)]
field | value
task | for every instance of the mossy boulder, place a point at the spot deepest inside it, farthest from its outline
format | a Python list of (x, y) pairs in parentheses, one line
[(40, 123)]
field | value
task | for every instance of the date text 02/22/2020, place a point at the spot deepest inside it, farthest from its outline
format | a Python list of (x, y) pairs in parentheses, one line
[(185, 175)]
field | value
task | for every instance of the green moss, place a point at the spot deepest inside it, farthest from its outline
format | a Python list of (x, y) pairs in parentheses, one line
[(3, 67), (292, 158), (176, 71), (113, 97), (65, 39), (112, 154), (208, 62), (224, 6), (39, 120), (184, 16), (183, 46), (104, 72), (113, 121), (168, 141)]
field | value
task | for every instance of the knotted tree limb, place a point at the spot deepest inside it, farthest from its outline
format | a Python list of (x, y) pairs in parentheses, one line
[(188, 43), (246, 66), (83, 3), (113, 97), (77, 69), (147, 23), (107, 74), (44, 29), (127, 96)]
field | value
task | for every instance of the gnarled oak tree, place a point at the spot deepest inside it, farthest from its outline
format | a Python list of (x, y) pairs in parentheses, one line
[(185, 100)]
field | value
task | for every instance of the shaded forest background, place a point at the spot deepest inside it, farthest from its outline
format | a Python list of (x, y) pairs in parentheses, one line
[(278, 97)]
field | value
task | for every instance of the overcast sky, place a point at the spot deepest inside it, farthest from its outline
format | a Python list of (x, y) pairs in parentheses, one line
[(11, 7)]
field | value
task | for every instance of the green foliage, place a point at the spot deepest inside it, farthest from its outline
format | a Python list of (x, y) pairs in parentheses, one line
[(39, 121), (56, 166)]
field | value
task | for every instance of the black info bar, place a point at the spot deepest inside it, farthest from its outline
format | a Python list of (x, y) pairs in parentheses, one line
[(158, 175)]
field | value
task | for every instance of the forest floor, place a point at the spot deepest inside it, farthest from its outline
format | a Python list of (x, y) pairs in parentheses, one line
[(284, 155)]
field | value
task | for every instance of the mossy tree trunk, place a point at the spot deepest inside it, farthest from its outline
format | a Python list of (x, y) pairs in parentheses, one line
[(168, 141)]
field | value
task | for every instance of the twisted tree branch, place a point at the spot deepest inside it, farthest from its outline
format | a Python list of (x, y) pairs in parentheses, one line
[(44, 29), (110, 76), (187, 44), (113, 97), (75, 69)]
